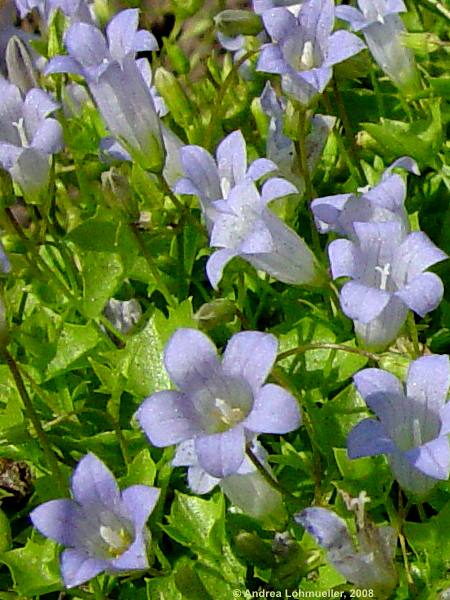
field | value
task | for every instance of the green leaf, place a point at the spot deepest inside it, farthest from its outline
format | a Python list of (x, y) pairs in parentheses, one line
[(163, 588), (102, 273), (34, 568), (141, 471), (74, 342)]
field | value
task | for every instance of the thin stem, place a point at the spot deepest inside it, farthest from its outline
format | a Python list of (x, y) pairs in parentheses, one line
[(179, 205), (328, 346), (413, 334), (268, 477), (112, 330), (32, 415), (302, 155), (217, 108)]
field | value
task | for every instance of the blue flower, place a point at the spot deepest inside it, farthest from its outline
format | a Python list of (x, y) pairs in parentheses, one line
[(103, 528), (371, 566), (28, 137), (413, 424), (383, 28), (118, 83), (219, 403), (212, 179), (247, 488), (244, 226), (304, 49), (383, 202), (76, 10), (387, 277)]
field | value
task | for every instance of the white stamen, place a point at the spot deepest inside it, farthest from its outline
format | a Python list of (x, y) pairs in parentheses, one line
[(19, 125), (228, 415), (225, 186), (307, 58), (384, 272)]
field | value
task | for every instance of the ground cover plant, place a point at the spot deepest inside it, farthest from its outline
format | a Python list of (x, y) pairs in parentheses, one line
[(225, 317)]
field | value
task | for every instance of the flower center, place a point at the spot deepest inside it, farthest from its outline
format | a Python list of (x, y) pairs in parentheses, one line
[(19, 125), (117, 541), (227, 415), (384, 271)]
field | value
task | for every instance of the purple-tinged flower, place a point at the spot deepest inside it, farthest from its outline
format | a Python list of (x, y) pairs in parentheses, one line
[(5, 265), (123, 314), (219, 404), (103, 528), (8, 30), (28, 137), (247, 489), (387, 278), (91, 54), (383, 202), (212, 179), (280, 149), (244, 226), (412, 424), (371, 566), (76, 10), (383, 28), (304, 49), (117, 83)]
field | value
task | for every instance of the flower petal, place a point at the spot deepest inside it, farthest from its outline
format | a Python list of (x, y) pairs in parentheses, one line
[(432, 458), (329, 530), (48, 136), (37, 106), (277, 187), (271, 60), (190, 358), (58, 520), (231, 157), (415, 254), (216, 264), (250, 355), (427, 386), (139, 501), (327, 211), (260, 167), (351, 15), (9, 155), (275, 411), (369, 438), (361, 302), (77, 567), (133, 558), (120, 33), (423, 293), (373, 381), (279, 23), (167, 418), (444, 415), (63, 64), (86, 44), (342, 45), (200, 167), (93, 483), (199, 481), (343, 256), (221, 454)]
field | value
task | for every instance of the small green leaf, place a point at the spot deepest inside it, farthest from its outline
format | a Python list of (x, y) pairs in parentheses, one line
[(74, 342), (141, 471), (34, 568)]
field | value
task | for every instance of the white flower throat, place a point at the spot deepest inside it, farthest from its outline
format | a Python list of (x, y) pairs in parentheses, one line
[(226, 414), (117, 541), (307, 56), (20, 126)]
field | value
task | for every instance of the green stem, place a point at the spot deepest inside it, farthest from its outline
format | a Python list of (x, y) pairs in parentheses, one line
[(33, 417), (437, 6), (217, 108), (180, 206), (413, 334), (112, 330), (328, 346), (302, 155), (268, 477)]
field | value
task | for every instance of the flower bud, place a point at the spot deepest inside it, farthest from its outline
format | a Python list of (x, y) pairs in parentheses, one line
[(217, 312), (174, 96), (21, 70), (238, 22)]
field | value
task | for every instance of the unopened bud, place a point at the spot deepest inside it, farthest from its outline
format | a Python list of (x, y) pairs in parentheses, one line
[(172, 92), (421, 43), (253, 549), (238, 22), (20, 66), (217, 312)]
